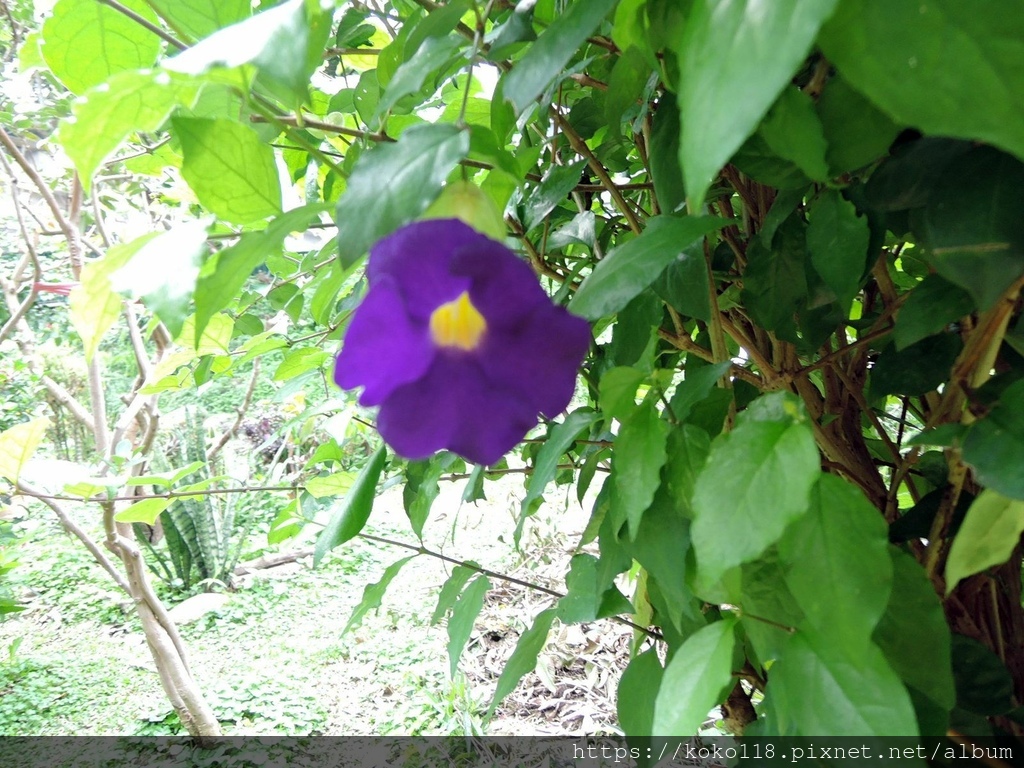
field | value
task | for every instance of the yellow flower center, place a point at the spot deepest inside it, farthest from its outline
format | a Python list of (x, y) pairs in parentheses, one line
[(457, 324)]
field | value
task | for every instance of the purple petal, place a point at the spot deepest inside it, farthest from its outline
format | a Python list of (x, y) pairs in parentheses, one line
[(539, 359), (504, 288), (383, 348), (420, 418), (418, 257), (454, 407)]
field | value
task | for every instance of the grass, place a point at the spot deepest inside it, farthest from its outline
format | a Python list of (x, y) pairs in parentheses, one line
[(272, 661)]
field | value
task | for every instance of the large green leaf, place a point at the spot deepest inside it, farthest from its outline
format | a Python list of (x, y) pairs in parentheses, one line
[(987, 536), (633, 266), (284, 43), (856, 131), (464, 614), (635, 702), (793, 131), (972, 225), (163, 272), (931, 306), (735, 57), (775, 282), (864, 695), (838, 241), (547, 57), (452, 588), (697, 678), (587, 596), (837, 562), (994, 446), (195, 19), (350, 517), (639, 456), (913, 633), (84, 43), (93, 304), (946, 67), (104, 116), (394, 183), (523, 658), (17, 445), (755, 483), (560, 439), (232, 172)]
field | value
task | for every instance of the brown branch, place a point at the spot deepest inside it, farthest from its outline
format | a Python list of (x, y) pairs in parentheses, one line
[(231, 431), (71, 527)]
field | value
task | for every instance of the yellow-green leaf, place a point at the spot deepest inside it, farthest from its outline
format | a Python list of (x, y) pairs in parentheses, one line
[(145, 511), (17, 445)]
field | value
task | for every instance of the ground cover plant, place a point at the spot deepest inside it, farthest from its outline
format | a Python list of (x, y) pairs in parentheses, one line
[(747, 272)]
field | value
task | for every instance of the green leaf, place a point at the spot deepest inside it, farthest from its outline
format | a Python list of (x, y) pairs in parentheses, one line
[(684, 284), (972, 225), (987, 537), (421, 487), (145, 511), (93, 304), (698, 677), (688, 448), (168, 478), (162, 272), (864, 695), (661, 546), (664, 154), (464, 614), (942, 66), (299, 361), (394, 183), (635, 702), (775, 282), (983, 684), (545, 467), (104, 116), (428, 60), (587, 598), (856, 131), (232, 172), (735, 57), (350, 517), (451, 589), (523, 658), (84, 43), (696, 386), (631, 267), (838, 241), (931, 306), (17, 445), (333, 484), (373, 594), (636, 468), (556, 185), (545, 59), (793, 131), (195, 19), (285, 43), (618, 391), (994, 446), (755, 483), (837, 562), (917, 369), (913, 633)]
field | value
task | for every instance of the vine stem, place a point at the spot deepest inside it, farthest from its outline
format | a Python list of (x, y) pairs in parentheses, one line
[(422, 550)]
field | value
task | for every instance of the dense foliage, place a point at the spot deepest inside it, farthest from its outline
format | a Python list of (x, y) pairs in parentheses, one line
[(793, 226)]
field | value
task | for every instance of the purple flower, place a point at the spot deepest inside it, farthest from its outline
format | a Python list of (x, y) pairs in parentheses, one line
[(458, 344)]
